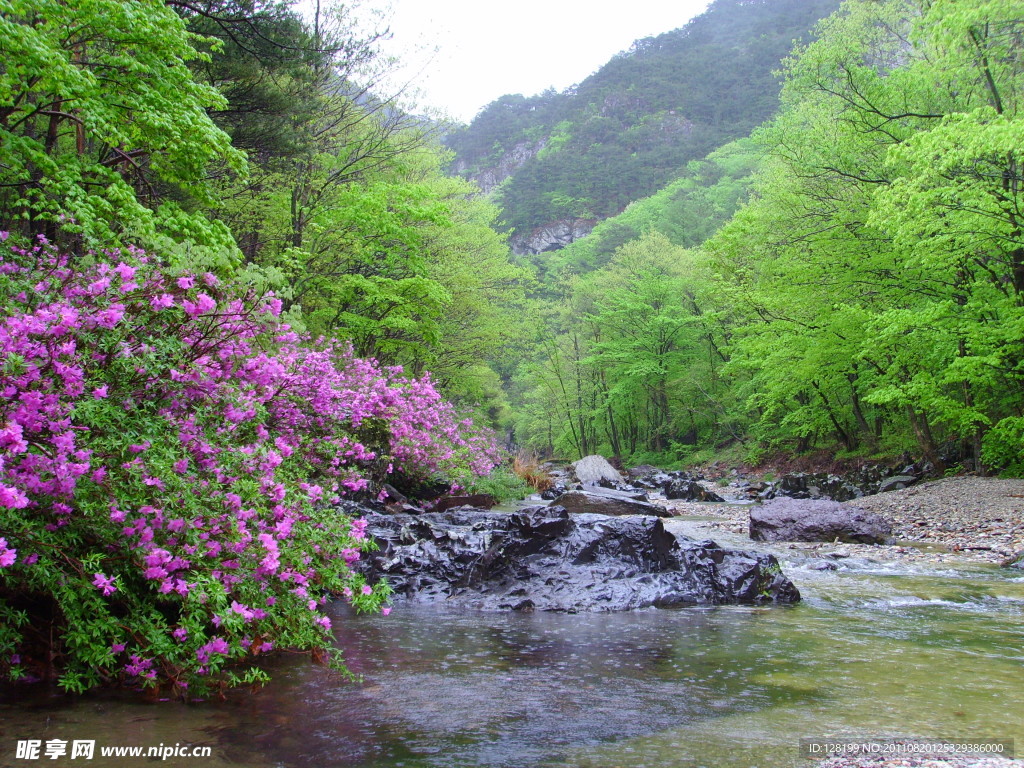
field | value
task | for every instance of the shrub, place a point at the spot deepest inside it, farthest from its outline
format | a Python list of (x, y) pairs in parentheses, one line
[(167, 451), (526, 466)]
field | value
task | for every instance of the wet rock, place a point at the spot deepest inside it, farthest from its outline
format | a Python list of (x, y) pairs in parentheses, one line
[(824, 485), (823, 565), (543, 558), (553, 492), (816, 520), (655, 480), (896, 483), (689, 490), (393, 495), (602, 501), (1016, 562), (477, 500), (820, 485), (358, 508), (596, 470), (642, 471)]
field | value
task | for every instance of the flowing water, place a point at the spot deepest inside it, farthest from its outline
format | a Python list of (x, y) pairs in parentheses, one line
[(873, 650)]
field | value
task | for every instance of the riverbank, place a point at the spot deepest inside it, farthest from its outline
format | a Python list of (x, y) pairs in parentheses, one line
[(955, 519)]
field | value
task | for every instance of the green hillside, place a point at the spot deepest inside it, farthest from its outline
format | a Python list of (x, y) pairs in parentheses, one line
[(686, 211), (632, 127)]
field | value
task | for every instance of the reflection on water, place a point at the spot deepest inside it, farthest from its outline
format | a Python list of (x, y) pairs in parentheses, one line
[(873, 650)]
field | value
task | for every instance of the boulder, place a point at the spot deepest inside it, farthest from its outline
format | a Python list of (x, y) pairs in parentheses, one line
[(543, 558), (652, 481), (786, 519), (689, 490), (595, 470), (823, 565), (642, 471), (897, 483), (601, 501)]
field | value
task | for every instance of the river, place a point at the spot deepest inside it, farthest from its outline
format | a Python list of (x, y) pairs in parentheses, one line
[(874, 649)]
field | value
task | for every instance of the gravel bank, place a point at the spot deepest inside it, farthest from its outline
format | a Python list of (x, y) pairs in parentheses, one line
[(983, 516), (975, 519)]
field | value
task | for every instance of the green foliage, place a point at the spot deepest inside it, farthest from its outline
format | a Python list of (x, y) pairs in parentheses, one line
[(633, 366), (503, 484), (877, 271), (104, 134)]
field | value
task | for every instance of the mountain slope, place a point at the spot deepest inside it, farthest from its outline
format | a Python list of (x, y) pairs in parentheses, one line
[(563, 161)]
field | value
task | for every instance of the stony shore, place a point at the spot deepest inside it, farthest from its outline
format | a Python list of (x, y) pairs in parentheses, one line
[(955, 519)]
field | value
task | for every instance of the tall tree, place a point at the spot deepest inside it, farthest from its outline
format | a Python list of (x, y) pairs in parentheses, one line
[(104, 133)]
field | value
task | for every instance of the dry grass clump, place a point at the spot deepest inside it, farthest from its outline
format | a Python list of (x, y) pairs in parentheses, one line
[(527, 467)]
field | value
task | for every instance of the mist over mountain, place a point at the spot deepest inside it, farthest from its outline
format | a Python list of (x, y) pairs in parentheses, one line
[(562, 161)]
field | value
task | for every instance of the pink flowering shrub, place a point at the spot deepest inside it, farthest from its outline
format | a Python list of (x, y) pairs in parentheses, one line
[(167, 447)]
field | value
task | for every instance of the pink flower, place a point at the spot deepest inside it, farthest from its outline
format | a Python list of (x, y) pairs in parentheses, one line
[(109, 317), (217, 645), (100, 392), (12, 498), (104, 583), (7, 554), (367, 589), (163, 301), (386, 610), (200, 306), (186, 282)]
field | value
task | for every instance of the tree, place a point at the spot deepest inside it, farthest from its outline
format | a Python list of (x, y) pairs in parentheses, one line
[(878, 263), (104, 134)]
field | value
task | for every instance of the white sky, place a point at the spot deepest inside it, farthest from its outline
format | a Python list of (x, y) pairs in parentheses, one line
[(485, 49)]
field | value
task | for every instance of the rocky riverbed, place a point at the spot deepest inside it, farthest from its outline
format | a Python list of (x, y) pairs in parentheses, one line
[(978, 519)]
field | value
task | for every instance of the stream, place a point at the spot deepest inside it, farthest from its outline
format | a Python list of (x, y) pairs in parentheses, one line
[(875, 649)]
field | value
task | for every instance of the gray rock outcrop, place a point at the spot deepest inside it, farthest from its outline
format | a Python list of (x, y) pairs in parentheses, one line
[(543, 558), (897, 483), (551, 237)]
